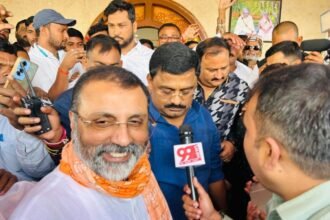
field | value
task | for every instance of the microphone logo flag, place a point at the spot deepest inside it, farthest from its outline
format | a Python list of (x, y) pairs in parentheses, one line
[(189, 155)]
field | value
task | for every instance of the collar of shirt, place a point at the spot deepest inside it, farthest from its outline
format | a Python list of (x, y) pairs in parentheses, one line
[(191, 115), (232, 82), (134, 49), (308, 203), (42, 52), (200, 97), (240, 67)]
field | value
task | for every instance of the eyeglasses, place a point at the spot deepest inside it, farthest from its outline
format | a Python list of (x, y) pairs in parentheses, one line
[(105, 122), (257, 48), (170, 38), (169, 93)]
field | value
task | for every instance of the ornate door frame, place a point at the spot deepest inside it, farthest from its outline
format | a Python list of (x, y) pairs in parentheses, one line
[(154, 13)]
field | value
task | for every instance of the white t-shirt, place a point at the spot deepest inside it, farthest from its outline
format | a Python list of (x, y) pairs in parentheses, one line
[(58, 196), (48, 65), (137, 61)]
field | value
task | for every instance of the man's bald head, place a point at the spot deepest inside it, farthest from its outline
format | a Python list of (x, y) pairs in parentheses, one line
[(286, 31)]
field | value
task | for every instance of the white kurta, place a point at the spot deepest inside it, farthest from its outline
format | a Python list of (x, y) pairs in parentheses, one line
[(58, 196), (137, 61), (245, 73), (9, 201)]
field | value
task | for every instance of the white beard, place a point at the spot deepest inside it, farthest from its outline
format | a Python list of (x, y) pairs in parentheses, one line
[(251, 57), (92, 156)]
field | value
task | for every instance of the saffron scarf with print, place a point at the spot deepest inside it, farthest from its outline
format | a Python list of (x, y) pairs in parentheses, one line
[(140, 181)]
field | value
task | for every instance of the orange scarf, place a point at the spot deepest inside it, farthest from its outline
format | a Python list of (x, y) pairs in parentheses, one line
[(141, 180)]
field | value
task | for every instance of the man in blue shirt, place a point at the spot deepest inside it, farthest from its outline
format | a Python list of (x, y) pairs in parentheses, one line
[(172, 82)]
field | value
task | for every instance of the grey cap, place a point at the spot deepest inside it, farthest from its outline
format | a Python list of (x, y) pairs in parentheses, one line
[(47, 16)]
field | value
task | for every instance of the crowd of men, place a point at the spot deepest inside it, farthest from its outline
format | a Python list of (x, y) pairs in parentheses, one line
[(114, 106)]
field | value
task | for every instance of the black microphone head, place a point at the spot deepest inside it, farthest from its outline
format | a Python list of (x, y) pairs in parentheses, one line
[(185, 129), (185, 134), (315, 45)]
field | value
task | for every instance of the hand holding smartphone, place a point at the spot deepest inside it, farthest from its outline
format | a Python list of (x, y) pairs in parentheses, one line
[(18, 75), (22, 72)]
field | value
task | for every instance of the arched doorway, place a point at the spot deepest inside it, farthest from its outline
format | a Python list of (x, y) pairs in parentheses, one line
[(151, 14)]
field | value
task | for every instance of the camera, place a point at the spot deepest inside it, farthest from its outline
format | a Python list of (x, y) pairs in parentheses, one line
[(34, 104), (319, 45)]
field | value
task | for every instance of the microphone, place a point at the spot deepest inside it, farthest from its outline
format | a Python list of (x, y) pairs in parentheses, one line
[(186, 137), (187, 155), (315, 45)]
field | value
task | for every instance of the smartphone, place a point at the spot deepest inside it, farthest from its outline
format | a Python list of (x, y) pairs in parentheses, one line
[(260, 196), (17, 73)]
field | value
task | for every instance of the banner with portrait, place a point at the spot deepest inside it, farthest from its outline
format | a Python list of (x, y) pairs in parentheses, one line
[(255, 17)]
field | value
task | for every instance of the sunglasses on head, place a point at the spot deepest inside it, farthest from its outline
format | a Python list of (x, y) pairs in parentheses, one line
[(252, 47)]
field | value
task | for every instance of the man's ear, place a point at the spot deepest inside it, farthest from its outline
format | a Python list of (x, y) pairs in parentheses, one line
[(71, 116), (299, 40), (196, 79), (150, 86), (272, 154), (134, 27), (44, 29), (297, 61)]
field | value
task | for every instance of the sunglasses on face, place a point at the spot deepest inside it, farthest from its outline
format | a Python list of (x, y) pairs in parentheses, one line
[(252, 48)]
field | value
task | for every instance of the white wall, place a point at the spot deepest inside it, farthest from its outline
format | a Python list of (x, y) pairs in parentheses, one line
[(306, 13)]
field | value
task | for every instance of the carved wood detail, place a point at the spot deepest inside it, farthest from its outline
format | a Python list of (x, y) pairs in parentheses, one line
[(154, 13)]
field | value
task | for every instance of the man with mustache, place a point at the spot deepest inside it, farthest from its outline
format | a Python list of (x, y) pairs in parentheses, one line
[(224, 94), (122, 27), (4, 33), (172, 82), (104, 172), (20, 35), (251, 54), (218, 90), (101, 50)]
